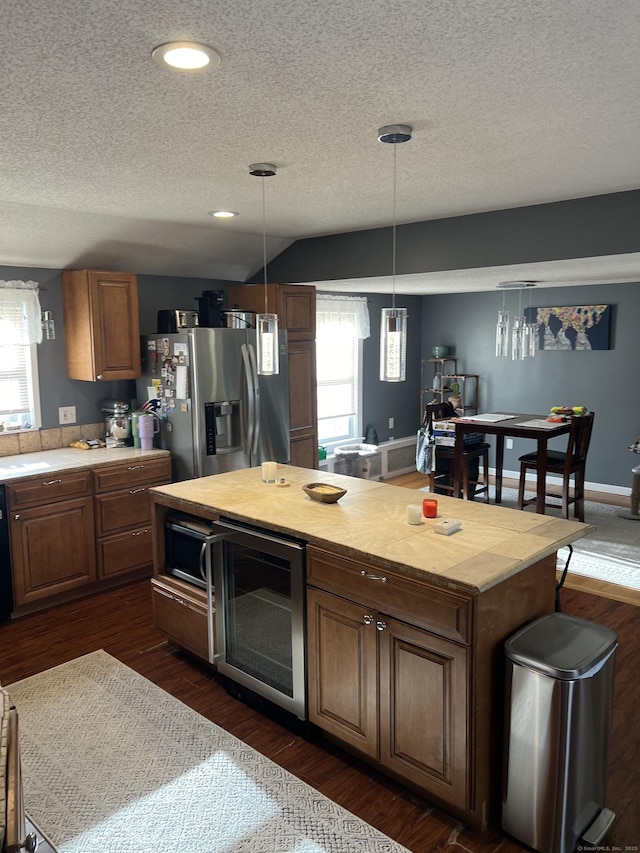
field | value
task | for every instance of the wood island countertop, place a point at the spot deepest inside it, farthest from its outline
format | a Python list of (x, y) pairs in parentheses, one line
[(369, 523)]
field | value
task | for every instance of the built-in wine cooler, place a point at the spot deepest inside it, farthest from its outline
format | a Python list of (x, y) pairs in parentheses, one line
[(260, 613)]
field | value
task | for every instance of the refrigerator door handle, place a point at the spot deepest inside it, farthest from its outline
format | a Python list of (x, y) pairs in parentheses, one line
[(253, 400)]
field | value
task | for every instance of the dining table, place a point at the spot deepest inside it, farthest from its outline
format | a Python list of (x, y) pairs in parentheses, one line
[(511, 425)]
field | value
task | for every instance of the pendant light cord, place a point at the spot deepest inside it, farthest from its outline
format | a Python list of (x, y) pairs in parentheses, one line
[(264, 246), (393, 237)]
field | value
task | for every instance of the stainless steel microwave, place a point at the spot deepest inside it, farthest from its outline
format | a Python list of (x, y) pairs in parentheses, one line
[(187, 548)]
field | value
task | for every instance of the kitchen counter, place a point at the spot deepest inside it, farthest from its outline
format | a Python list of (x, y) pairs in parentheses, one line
[(22, 466), (369, 523)]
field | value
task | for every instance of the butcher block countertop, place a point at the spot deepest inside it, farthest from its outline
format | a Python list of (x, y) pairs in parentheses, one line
[(23, 466), (369, 523)]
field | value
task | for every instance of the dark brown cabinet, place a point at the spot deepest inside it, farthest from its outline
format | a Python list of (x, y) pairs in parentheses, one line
[(295, 306), (101, 325)]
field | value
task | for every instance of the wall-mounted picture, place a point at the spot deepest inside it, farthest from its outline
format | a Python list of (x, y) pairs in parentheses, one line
[(573, 327)]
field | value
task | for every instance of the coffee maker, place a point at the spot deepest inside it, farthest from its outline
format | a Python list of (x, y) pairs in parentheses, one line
[(117, 422)]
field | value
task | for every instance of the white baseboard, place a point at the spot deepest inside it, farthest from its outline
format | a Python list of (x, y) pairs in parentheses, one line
[(605, 488)]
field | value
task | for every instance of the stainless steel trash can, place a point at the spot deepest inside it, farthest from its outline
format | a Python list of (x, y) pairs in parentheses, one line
[(559, 680)]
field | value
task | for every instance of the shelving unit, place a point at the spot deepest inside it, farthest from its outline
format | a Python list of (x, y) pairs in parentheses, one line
[(440, 373)]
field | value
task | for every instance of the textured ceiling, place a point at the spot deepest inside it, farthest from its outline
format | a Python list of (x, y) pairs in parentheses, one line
[(107, 159)]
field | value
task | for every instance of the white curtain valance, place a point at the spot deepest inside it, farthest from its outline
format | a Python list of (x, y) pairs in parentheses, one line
[(348, 311), (20, 314)]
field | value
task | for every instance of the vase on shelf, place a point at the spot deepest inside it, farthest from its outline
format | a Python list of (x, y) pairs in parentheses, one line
[(456, 402)]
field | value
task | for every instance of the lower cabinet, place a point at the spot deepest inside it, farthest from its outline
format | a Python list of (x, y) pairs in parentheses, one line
[(394, 692), (75, 530), (123, 515), (180, 612), (52, 549)]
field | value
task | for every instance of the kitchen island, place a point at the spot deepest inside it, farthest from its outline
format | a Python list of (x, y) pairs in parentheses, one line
[(404, 627)]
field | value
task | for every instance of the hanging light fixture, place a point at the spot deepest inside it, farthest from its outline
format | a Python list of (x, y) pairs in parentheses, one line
[(266, 323), (393, 322), (523, 333)]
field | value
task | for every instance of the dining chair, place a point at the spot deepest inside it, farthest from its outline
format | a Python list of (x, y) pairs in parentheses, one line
[(479, 452), (567, 464)]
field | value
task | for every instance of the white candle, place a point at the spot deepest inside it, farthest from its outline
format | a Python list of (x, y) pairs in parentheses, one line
[(414, 514), (269, 472)]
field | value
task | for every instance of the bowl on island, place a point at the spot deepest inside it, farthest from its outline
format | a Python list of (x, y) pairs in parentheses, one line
[(324, 492)]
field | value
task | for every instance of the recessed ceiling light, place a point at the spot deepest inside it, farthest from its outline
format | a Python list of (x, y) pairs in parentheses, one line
[(223, 214), (186, 56)]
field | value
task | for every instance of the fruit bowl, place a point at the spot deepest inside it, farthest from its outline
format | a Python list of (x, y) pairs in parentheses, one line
[(324, 492)]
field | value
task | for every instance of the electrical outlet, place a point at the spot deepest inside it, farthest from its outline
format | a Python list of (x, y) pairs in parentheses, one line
[(509, 444), (67, 415), (392, 423)]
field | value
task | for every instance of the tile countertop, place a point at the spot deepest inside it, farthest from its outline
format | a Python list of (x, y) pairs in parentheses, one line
[(23, 466), (369, 523)]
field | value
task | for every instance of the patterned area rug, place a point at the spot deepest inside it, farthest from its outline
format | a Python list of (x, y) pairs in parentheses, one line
[(111, 762)]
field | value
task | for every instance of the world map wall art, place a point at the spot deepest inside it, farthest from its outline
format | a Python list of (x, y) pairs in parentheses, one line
[(572, 327)]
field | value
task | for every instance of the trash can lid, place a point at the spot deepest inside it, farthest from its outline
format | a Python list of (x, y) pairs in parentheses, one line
[(561, 646)]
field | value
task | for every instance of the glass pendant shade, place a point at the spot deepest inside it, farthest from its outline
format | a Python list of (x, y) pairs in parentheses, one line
[(518, 339), (393, 345), (268, 354), (530, 334), (502, 334)]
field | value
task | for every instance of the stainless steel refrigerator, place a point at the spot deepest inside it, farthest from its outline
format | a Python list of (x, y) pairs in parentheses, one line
[(216, 413)]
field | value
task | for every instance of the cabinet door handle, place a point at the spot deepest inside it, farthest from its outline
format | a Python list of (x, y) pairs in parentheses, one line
[(135, 467), (140, 532), (51, 482), (368, 619), (136, 491), (369, 577), (380, 625)]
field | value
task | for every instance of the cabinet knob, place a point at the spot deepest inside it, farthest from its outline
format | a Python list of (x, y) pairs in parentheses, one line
[(99, 376), (380, 625), (16, 517), (368, 620)]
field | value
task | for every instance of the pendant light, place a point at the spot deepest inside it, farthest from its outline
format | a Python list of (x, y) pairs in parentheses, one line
[(523, 342), (266, 323), (393, 322)]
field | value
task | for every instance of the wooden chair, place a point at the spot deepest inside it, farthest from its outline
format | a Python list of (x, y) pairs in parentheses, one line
[(480, 452), (571, 462)]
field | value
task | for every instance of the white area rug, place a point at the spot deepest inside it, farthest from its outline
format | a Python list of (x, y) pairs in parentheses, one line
[(113, 763)]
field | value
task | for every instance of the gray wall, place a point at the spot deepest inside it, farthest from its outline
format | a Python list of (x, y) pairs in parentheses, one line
[(604, 381)]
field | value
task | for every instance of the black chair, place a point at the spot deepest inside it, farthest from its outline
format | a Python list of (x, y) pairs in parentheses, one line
[(441, 480), (567, 464)]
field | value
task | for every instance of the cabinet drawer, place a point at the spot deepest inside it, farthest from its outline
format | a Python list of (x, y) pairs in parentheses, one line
[(156, 471), (125, 552), (122, 510), (182, 617), (430, 607), (47, 489)]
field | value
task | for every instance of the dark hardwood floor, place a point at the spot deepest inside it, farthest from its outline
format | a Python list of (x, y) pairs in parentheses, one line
[(120, 621)]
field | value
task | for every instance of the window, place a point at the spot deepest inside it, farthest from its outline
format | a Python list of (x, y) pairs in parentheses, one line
[(341, 324), (20, 330)]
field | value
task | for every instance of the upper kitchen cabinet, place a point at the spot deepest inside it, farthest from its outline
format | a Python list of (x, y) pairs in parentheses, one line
[(102, 334), (295, 305)]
